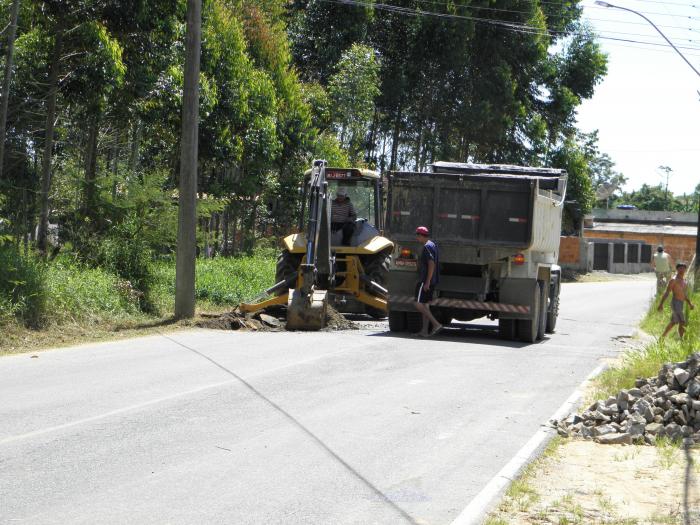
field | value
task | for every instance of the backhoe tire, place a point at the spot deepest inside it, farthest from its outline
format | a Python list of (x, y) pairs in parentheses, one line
[(397, 321), (553, 310), (377, 269), (287, 266), (528, 328)]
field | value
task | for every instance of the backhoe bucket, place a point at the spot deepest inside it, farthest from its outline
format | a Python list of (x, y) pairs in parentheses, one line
[(307, 311)]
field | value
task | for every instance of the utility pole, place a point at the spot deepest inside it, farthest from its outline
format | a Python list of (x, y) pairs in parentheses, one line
[(187, 213), (9, 57), (667, 170)]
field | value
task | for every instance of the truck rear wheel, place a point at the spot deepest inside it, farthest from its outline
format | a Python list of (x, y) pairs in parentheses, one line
[(542, 319), (414, 322), (397, 321), (528, 328), (553, 310), (506, 329)]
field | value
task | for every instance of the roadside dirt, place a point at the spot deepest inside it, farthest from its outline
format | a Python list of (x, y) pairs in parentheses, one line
[(569, 276), (587, 483), (582, 482)]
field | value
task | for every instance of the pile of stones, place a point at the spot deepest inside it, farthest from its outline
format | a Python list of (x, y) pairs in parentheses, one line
[(664, 406)]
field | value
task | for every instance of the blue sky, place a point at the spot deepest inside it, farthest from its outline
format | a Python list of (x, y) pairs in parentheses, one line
[(647, 109)]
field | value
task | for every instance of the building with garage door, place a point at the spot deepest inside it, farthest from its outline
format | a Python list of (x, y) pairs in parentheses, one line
[(623, 241)]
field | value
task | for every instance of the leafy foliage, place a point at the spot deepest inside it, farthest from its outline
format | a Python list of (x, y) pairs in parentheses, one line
[(282, 83), (22, 287)]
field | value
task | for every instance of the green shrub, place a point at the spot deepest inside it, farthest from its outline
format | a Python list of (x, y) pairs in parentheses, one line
[(22, 287), (127, 254)]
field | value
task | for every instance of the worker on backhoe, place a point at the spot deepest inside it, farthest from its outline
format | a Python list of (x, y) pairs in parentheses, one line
[(343, 215)]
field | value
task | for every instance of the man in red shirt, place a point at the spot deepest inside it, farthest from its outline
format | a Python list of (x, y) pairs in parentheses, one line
[(429, 271)]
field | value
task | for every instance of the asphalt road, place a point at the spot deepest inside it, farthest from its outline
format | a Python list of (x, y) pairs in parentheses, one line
[(355, 427)]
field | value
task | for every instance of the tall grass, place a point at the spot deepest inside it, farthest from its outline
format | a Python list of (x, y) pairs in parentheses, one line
[(219, 281), (22, 287), (80, 294), (65, 291), (647, 361)]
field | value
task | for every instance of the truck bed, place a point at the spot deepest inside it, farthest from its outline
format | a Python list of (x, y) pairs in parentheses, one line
[(476, 205)]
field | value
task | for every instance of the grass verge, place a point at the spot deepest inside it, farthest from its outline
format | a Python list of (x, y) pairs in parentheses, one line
[(84, 304), (646, 361)]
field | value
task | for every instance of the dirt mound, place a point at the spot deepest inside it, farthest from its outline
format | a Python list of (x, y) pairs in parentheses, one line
[(337, 321), (261, 322), (235, 320)]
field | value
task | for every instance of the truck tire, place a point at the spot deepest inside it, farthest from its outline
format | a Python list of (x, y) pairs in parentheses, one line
[(542, 320), (287, 266), (414, 322), (553, 310), (442, 317), (506, 329), (528, 328), (397, 321)]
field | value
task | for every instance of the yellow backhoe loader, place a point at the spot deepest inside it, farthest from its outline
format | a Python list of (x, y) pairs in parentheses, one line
[(316, 269)]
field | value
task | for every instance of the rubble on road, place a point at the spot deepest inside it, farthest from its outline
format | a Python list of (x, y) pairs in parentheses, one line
[(664, 406), (236, 320), (262, 322)]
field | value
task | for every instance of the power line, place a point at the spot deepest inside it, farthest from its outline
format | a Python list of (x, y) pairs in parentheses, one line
[(504, 24), (652, 14), (519, 11), (502, 10)]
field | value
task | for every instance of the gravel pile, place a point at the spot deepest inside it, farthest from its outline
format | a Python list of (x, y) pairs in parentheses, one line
[(664, 406)]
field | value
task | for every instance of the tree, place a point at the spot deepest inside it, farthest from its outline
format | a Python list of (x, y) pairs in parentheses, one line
[(653, 198), (48, 140), (352, 89), (187, 222), (9, 58)]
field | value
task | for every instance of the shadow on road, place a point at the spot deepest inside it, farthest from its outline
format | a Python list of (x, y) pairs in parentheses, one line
[(168, 321), (474, 333), (383, 497)]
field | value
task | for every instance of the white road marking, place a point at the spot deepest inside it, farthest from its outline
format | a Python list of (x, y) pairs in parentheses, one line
[(138, 406), (475, 512)]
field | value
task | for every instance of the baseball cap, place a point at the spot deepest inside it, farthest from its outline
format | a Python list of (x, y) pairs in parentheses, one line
[(422, 230)]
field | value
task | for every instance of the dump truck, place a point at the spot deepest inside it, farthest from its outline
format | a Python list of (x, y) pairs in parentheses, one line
[(497, 228), (315, 269)]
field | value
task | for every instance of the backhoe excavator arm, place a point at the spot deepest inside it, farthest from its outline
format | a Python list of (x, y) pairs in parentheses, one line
[(308, 304)]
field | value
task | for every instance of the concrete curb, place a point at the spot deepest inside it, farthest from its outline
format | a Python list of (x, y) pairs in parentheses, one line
[(477, 509)]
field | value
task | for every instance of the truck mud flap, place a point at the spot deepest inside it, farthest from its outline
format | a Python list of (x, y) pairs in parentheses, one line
[(518, 291)]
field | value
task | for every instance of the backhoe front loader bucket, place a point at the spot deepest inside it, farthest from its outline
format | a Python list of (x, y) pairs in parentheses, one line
[(307, 311)]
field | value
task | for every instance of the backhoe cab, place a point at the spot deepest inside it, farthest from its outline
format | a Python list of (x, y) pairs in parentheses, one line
[(315, 269)]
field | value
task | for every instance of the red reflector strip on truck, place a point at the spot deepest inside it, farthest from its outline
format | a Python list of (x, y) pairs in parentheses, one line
[(517, 219), (404, 213), (463, 303), (470, 217), (447, 215)]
